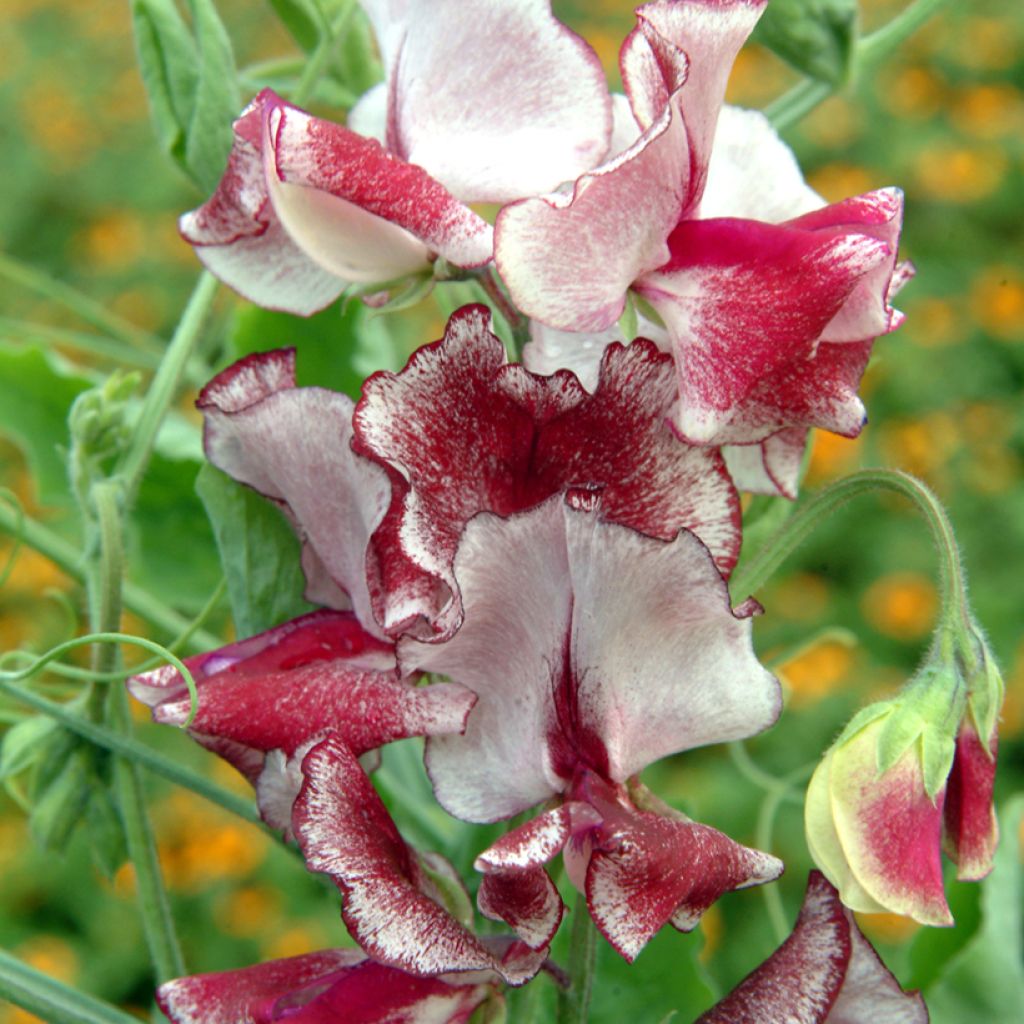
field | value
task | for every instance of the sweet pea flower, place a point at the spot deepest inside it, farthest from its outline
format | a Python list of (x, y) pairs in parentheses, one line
[(905, 779), (578, 634), (263, 701), (322, 988), (770, 299), (461, 431), (825, 973), (307, 207)]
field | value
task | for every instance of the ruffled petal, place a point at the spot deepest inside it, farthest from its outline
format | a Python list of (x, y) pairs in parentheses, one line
[(318, 988), (389, 904), (360, 212), (592, 652), (970, 830), (825, 973), (647, 870), (524, 108), (771, 467), (510, 650), (654, 639), (463, 433), (293, 446), (746, 304), (238, 237)]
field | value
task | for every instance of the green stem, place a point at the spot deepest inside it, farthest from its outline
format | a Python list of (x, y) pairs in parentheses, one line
[(806, 95), (52, 1001), (68, 558), (105, 592), (807, 516), (166, 382), (517, 323), (574, 1004), (131, 749), (88, 309)]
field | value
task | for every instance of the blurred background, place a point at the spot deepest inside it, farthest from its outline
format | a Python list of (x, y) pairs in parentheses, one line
[(89, 200)]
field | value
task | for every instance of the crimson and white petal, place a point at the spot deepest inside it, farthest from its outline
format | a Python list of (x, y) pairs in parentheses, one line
[(772, 467), (238, 236), (318, 988), (576, 633), (524, 108), (746, 303), (345, 831), (293, 446), (647, 870), (970, 829), (359, 211), (825, 973), (655, 639)]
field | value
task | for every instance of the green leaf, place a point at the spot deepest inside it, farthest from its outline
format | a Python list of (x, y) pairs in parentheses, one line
[(985, 980), (326, 344), (816, 36), (23, 744), (190, 78), (258, 551), (36, 391), (217, 99), (299, 17), (167, 61)]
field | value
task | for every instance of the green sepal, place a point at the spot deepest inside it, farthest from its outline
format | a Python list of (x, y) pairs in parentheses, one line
[(937, 751), (259, 553), (412, 291), (816, 36), (986, 690), (898, 733), (863, 717), (628, 321), (23, 744)]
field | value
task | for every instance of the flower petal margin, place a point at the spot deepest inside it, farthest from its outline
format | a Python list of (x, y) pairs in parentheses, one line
[(318, 988), (390, 906), (292, 445), (825, 973)]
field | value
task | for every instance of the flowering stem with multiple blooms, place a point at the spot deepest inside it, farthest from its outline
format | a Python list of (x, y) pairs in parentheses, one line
[(531, 564)]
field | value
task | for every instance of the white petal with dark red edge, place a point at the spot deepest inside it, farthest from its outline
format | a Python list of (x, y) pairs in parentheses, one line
[(753, 173), (569, 258), (345, 831), (825, 973), (524, 108), (318, 988), (654, 639), (710, 33), (239, 238), (513, 578), (746, 302), (464, 433), (866, 312), (647, 870), (357, 209), (293, 446)]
